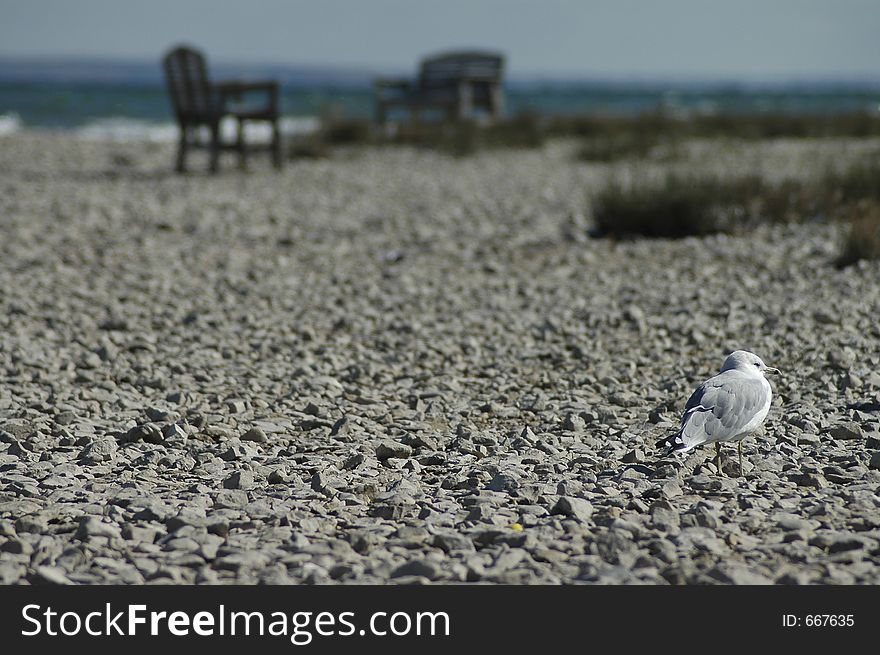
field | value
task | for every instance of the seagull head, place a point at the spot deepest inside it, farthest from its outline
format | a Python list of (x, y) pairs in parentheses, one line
[(750, 363)]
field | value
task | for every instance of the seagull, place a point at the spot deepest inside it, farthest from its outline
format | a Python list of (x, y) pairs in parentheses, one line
[(726, 407)]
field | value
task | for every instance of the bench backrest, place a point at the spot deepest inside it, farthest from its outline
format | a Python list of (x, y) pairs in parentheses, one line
[(187, 78), (443, 71)]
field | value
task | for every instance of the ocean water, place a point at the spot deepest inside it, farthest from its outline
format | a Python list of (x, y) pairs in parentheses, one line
[(125, 111)]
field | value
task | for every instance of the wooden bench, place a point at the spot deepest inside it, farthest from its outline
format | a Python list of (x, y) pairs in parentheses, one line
[(198, 103), (457, 83)]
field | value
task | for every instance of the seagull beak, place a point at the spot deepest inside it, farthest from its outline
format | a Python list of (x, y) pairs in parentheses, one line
[(770, 369)]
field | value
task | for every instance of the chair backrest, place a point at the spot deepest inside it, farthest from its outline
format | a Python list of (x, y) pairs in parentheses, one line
[(187, 78), (446, 69)]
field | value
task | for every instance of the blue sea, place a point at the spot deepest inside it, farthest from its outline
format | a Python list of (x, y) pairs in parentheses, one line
[(128, 101)]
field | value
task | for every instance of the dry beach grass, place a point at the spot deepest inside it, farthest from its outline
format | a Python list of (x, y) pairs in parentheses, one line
[(397, 365)]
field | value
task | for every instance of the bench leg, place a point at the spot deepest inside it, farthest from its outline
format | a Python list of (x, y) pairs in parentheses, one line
[(277, 158), (242, 149), (215, 146)]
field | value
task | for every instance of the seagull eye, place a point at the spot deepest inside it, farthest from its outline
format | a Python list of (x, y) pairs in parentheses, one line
[(757, 364)]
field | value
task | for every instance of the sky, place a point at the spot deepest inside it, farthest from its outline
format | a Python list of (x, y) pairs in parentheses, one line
[(680, 39)]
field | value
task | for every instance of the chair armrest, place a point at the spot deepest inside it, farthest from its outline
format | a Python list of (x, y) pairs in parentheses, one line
[(234, 90)]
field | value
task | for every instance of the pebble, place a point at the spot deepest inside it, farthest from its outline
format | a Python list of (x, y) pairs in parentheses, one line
[(51, 575), (503, 482), (846, 431), (256, 435), (100, 450), (148, 432), (239, 480), (575, 507), (419, 568), (92, 526), (388, 449)]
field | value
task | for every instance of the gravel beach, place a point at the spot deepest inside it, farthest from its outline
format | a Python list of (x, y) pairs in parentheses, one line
[(397, 366)]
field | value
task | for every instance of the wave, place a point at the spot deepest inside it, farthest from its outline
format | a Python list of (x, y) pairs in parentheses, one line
[(129, 129), (119, 128), (126, 129), (10, 123)]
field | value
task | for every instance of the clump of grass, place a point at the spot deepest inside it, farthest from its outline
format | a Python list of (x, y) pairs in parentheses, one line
[(462, 139), (467, 137), (524, 130), (335, 130), (833, 195), (779, 125), (678, 207), (607, 138), (611, 147), (310, 146), (863, 239), (729, 125), (347, 131), (860, 181), (646, 124), (434, 135)]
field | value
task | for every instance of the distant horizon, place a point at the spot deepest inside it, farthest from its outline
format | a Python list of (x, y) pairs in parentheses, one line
[(75, 69)]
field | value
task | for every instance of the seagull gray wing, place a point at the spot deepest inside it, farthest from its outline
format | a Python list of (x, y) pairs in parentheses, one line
[(721, 408)]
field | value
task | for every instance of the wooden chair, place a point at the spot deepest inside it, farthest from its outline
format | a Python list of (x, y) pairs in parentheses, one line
[(455, 82), (198, 103)]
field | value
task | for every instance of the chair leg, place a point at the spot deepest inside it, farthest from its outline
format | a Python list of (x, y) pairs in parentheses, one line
[(242, 150), (215, 147), (180, 166), (277, 158)]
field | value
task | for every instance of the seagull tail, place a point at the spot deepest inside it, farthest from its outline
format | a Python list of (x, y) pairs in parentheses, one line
[(671, 443)]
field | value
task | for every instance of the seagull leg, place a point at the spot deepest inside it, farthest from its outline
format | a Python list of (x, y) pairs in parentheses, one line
[(718, 457), (739, 449)]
